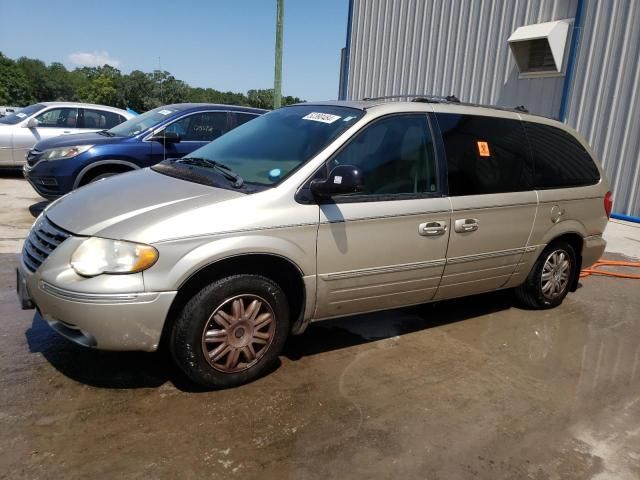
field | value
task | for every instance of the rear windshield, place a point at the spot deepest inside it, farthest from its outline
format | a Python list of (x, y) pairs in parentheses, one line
[(17, 117), (143, 122), (267, 149)]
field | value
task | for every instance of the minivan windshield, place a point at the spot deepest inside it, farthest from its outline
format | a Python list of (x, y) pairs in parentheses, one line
[(139, 124), (268, 148), (17, 117)]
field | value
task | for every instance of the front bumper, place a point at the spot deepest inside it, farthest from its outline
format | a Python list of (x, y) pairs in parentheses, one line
[(107, 321), (46, 186)]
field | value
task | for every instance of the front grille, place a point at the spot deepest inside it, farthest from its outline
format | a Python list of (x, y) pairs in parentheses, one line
[(33, 156), (43, 239)]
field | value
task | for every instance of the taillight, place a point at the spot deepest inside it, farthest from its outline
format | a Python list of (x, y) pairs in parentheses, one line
[(608, 203)]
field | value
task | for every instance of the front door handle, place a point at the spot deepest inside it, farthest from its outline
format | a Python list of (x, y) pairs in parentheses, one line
[(464, 225), (432, 229)]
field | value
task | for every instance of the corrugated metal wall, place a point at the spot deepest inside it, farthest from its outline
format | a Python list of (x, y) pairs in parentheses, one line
[(605, 98), (459, 47)]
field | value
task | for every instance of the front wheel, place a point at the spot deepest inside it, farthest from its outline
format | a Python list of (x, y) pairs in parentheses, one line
[(549, 281), (231, 332)]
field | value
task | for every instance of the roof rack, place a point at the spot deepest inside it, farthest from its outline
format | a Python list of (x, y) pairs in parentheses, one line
[(416, 98), (447, 99)]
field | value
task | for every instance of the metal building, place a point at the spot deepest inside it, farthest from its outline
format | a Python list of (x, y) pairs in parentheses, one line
[(573, 60)]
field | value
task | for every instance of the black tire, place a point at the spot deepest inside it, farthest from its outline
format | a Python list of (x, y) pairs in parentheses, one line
[(191, 351), (531, 293)]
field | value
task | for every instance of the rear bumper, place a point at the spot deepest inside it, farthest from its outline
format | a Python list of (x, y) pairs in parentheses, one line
[(592, 249), (128, 321)]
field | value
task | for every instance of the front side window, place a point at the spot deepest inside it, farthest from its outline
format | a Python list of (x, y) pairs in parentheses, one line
[(265, 150), (58, 118), (559, 159), (485, 154), (395, 156), (200, 127), (99, 119)]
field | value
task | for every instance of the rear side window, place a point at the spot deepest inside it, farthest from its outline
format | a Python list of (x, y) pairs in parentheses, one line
[(485, 154), (100, 119), (559, 159), (238, 118)]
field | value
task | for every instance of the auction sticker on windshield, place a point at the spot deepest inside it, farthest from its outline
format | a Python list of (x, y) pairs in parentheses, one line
[(321, 117)]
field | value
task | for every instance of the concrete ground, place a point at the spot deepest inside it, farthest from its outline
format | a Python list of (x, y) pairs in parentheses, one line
[(472, 388)]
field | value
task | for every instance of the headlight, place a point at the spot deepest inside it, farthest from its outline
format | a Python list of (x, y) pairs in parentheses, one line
[(100, 255), (64, 152)]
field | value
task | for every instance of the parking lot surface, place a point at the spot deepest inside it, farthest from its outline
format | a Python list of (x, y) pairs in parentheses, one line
[(471, 388)]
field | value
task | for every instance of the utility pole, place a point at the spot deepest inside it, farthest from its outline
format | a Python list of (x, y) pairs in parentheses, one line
[(277, 83)]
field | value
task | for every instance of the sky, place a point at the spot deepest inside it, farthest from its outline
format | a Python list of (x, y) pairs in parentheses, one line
[(222, 44)]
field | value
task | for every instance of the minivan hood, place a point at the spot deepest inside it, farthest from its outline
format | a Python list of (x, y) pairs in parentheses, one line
[(89, 138), (130, 206)]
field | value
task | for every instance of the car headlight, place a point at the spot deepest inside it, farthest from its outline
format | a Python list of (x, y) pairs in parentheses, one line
[(96, 255), (64, 152)]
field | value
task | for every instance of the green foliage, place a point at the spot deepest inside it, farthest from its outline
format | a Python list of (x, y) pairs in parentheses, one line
[(26, 81)]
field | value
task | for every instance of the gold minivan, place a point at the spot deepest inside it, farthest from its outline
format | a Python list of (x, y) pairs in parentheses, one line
[(315, 211)]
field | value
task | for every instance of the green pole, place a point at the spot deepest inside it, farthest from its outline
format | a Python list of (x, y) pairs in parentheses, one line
[(277, 83)]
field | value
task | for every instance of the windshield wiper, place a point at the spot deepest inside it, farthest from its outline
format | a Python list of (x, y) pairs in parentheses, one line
[(226, 172), (106, 133)]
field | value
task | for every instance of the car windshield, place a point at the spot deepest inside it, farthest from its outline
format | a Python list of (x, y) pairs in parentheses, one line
[(265, 150), (17, 117), (139, 124)]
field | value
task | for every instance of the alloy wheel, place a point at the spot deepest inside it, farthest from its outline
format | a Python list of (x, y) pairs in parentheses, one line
[(555, 274), (238, 333)]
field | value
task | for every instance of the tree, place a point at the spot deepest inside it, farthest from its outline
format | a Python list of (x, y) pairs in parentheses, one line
[(100, 90), (15, 88), (29, 80)]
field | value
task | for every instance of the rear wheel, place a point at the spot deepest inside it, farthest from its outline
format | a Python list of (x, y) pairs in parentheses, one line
[(548, 282), (231, 332)]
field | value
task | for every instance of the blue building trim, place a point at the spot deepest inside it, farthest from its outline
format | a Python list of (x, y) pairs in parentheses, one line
[(345, 68), (571, 61)]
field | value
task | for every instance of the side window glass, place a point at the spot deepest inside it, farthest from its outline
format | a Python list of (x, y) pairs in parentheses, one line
[(559, 159), (200, 127), (485, 154), (58, 118), (241, 118), (395, 155), (99, 119)]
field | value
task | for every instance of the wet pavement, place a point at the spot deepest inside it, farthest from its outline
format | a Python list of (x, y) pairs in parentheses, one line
[(471, 388)]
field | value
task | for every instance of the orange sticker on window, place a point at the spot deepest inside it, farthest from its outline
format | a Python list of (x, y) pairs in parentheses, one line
[(483, 149)]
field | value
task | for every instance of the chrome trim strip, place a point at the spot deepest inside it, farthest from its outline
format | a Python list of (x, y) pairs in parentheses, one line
[(96, 297), (483, 256), (380, 270)]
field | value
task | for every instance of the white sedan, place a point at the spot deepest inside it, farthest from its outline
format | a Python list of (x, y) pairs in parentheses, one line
[(20, 131)]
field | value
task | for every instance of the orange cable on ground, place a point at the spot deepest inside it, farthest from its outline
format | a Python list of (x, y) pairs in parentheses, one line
[(593, 270)]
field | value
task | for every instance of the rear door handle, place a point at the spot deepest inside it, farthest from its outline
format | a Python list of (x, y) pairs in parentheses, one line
[(466, 225), (432, 229)]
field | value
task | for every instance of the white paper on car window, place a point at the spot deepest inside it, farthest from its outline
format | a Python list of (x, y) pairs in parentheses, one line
[(321, 117), (21, 115), (164, 112)]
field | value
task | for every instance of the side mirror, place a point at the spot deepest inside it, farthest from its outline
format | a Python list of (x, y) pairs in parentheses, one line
[(166, 137), (343, 179), (32, 123)]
